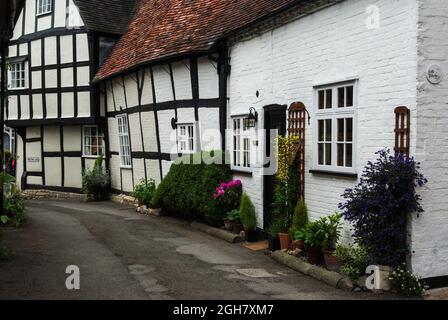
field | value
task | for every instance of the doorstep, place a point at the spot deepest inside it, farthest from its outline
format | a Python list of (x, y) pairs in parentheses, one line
[(332, 278), (218, 233)]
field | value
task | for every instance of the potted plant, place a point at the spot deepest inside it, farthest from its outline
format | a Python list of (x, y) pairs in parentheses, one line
[(232, 221), (248, 218), (299, 221), (312, 237), (330, 230)]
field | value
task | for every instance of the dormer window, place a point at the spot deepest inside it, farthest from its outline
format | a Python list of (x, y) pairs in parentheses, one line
[(44, 7)]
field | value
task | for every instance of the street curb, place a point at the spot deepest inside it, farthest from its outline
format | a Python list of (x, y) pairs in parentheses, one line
[(218, 233), (332, 278)]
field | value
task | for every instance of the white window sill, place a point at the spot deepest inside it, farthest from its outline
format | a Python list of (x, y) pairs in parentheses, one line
[(334, 172), (18, 88), (125, 167), (43, 14)]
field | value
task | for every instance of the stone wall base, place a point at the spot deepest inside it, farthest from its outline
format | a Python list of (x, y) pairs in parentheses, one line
[(123, 199), (48, 194)]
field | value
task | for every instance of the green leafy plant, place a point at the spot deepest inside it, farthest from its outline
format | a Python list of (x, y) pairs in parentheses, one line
[(330, 230), (353, 259), (144, 191), (276, 226), (311, 235), (247, 213), (189, 186), (407, 283), (96, 181), (13, 204), (233, 216), (300, 217)]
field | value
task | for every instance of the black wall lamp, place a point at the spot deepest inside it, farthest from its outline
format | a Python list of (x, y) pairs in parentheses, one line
[(174, 123), (251, 120)]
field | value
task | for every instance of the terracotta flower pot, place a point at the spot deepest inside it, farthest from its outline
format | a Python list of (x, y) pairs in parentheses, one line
[(285, 240), (314, 255), (298, 244), (237, 228), (228, 225), (332, 263)]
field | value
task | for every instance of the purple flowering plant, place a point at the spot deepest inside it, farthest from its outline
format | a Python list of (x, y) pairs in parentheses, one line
[(227, 195), (380, 204)]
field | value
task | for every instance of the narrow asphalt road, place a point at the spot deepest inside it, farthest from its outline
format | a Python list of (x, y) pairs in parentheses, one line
[(123, 255)]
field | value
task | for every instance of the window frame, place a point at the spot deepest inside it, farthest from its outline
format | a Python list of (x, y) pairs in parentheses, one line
[(186, 138), (24, 72), (334, 114), (122, 136), (41, 4), (99, 135), (245, 134)]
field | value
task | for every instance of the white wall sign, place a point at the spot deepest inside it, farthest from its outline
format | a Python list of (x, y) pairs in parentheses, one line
[(33, 159)]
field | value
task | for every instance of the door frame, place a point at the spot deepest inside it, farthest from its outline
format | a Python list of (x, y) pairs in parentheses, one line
[(267, 111)]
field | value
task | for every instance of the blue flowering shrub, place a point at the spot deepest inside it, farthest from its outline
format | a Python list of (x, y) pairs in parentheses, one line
[(379, 206)]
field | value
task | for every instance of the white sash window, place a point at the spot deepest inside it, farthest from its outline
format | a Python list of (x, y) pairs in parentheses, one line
[(124, 141), (17, 75), (185, 138), (241, 145), (93, 141), (44, 6), (335, 135)]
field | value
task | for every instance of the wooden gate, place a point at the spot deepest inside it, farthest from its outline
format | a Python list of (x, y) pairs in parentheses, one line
[(402, 131)]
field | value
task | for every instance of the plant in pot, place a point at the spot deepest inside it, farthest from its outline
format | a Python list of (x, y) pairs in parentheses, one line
[(299, 221), (330, 229), (232, 221), (248, 218), (313, 240)]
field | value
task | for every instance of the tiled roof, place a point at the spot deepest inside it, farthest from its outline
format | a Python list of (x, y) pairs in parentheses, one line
[(163, 29), (109, 16)]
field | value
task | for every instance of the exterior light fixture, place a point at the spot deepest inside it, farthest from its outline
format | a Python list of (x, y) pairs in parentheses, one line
[(251, 120)]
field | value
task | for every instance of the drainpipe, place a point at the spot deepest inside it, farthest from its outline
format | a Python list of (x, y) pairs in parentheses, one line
[(2, 110), (224, 71)]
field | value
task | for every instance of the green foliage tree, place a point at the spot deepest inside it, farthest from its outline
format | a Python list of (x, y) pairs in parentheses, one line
[(96, 181)]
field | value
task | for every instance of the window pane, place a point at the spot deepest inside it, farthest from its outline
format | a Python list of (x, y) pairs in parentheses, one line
[(340, 154), (349, 130), (328, 132), (321, 99), (321, 130), (341, 97), (321, 153), (328, 154), (341, 129), (349, 155), (329, 98), (349, 96)]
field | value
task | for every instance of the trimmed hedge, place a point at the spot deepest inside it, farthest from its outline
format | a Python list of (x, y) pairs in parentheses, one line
[(188, 188)]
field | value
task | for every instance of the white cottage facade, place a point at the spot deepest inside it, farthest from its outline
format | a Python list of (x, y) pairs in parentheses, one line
[(168, 86)]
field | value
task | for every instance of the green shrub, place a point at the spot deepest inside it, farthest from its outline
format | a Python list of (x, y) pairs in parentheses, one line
[(96, 181), (406, 283), (330, 230), (144, 191), (353, 260), (13, 204), (233, 216), (248, 216), (276, 226), (311, 235), (188, 187), (300, 217)]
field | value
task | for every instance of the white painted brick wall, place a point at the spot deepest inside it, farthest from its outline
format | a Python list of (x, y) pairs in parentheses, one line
[(429, 232), (328, 46)]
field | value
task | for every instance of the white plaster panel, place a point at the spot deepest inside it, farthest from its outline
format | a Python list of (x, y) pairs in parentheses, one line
[(67, 77), (24, 107), (162, 83), (153, 170), (72, 138), (23, 48), (147, 97), (84, 104), (74, 18), (34, 180), (52, 139), (53, 172), (149, 131), (138, 166), (66, 43), (32, 132), (19, 164), (167, 133), (36, 53), (18, 30), (186, 115), (208, 79), (72, 172), (210, 135), (51, 79), (182, 80), (13, 108), (82, 47), (118, 93), (12, 51), (43, 22), (52, 105), (33, 150), (68, 105), (36, 81), (37, 106), (130, 83), (127, 180), (113, 134), (136, 136), (50, 51), (30, 16), (59, 13), (83, 74), (109, 97), (166, 166)]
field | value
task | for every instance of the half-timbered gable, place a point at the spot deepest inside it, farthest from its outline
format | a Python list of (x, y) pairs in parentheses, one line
[(56, 49)]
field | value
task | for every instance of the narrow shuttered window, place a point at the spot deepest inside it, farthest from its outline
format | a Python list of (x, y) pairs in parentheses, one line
[(124, 141), (402, 130)]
